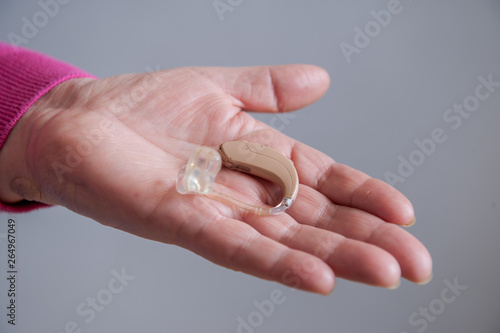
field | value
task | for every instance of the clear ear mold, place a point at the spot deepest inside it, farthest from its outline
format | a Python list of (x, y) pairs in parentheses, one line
[(204, 163), (198, 175)]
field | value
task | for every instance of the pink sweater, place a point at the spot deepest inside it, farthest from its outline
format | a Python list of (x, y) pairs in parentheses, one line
[(25, 76)]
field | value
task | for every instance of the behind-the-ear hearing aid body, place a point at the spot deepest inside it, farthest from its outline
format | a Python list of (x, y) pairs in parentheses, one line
[(198, 176)]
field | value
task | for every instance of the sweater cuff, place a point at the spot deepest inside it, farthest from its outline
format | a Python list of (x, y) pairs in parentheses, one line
[(25, 76)]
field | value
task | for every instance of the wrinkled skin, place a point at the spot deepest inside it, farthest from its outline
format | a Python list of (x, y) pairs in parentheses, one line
[(110, 149)]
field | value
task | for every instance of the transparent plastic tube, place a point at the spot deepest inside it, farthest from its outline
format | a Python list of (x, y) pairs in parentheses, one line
[(198, 177)]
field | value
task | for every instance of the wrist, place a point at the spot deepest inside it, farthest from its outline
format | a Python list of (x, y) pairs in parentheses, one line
[(18, 157), (13, 160)]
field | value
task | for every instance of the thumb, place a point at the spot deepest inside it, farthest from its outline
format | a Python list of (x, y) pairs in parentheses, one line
[(271, 88)]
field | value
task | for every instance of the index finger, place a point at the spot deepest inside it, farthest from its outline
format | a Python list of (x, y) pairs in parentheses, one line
[(350, 187)]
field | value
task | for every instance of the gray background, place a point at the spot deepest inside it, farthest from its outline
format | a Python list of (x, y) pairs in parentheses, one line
[(394, 91)]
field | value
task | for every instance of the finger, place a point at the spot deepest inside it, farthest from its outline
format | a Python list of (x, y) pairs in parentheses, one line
[(349, 187), (271, 88), (314, 209), (236, 245), (349, 259)]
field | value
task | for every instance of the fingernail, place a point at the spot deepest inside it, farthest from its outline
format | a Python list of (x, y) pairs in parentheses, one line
[(426, 281), (395, 286), (412, 222)]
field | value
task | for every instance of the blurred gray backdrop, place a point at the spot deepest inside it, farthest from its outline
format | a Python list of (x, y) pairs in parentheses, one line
[(400, 71)]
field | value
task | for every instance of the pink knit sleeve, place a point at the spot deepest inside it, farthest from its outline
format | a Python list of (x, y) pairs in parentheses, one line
[(25, 76)]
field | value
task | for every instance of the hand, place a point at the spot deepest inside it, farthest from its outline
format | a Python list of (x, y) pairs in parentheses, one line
[(110, 149)]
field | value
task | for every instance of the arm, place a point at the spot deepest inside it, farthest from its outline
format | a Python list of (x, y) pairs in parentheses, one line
[(25, 76)]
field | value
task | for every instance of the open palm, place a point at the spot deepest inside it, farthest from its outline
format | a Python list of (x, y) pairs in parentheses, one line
[(110, 149)]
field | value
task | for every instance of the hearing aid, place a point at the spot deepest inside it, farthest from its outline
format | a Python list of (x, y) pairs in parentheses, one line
[(198, 175)]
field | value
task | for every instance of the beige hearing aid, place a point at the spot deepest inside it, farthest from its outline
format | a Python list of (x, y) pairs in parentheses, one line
[(198, 175)]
